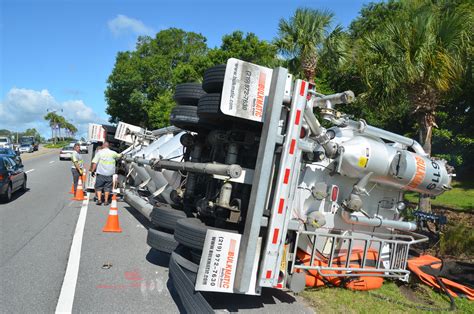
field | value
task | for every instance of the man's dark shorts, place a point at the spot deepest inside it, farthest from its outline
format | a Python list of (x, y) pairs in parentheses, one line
[(103, 182)]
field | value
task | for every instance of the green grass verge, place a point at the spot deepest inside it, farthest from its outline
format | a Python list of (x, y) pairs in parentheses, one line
[(57, 145), (460, 197), (338, 300)]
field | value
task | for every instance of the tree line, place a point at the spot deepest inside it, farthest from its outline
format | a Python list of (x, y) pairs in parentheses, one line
[(409, 63), (15, 136)]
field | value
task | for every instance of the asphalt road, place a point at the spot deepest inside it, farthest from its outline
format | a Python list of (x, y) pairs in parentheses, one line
[(36, 234)]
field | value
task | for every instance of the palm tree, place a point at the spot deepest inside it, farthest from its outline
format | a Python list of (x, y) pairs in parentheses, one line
[(71, 129), (54, 120), (301, 38), (62, 124), (419, 56)]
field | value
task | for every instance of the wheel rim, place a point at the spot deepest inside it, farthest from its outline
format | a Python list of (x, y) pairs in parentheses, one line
[(9, 192)]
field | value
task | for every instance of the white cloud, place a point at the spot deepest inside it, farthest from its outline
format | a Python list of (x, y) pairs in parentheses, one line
[(124, 25), (25, 108)]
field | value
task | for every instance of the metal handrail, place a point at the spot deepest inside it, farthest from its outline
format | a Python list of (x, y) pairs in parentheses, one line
[(398, 245)]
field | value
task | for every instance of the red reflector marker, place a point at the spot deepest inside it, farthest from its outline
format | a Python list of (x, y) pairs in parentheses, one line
[(287, 176), (292, 146), (281, 205), (298, 116), (302, 88), (275, 235), (334, 193)]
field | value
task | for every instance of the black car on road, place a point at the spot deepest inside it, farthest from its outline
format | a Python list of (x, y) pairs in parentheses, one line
[(8, 152), (12, 178)]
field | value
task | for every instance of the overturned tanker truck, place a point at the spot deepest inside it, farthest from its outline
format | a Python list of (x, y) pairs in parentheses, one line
[(248, 190)]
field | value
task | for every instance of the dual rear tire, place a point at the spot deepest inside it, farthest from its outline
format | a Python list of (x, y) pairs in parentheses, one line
[(164, 221)]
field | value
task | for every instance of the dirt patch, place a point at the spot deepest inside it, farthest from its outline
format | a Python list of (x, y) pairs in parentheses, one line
[(451, 241), (455, 216), (416, 294)]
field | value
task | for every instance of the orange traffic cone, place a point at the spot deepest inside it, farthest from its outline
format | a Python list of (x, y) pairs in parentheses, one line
[(72, 189), (79, 192), (112, 224)]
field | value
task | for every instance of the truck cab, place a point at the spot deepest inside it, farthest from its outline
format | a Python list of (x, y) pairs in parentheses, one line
[(5, 142), (30, 140)]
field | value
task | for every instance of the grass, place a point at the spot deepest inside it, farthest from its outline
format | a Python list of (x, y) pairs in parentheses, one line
[(457, 240), (339, 300), (57, 145), (461, 197)]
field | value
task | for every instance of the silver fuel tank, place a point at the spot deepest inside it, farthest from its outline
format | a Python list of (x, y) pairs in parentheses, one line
[(393, 166)]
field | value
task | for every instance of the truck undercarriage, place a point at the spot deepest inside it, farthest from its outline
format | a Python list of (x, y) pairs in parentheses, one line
[(247, 189)]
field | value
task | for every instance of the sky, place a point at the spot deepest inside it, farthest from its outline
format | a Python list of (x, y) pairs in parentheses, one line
[(58, 54)]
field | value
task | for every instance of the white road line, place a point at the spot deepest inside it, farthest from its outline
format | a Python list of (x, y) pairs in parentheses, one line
[(31, 170), (68, 290), (52, 161)]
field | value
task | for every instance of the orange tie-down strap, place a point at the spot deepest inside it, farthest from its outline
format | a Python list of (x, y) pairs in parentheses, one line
[(314, 279), (418, 266)]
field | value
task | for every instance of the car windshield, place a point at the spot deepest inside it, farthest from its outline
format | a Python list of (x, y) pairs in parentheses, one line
[(67, 148), (25, 145), (3, 140)]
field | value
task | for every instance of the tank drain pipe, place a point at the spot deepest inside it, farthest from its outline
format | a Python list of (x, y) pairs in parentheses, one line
[(354, 203), (376, 222), (138, 203), (319, 132), (362, 127)]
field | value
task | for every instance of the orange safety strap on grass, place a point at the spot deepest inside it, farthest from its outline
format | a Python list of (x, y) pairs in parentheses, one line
[(454, 288)]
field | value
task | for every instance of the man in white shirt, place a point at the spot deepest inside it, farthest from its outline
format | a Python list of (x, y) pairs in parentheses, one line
[(104, 164)]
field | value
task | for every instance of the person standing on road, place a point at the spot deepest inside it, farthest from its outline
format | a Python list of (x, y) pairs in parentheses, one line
[(77, 167), (104, 164)]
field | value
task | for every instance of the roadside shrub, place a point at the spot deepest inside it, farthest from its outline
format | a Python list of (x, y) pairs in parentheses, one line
[(457, 240)]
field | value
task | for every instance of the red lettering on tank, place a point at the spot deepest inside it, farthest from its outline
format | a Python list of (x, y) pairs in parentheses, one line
[(228, 265), (419, 174), (260, 95)]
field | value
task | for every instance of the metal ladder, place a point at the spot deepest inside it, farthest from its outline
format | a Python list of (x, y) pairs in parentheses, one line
[(390, 252)]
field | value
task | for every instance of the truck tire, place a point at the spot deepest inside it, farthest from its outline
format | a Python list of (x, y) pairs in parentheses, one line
[(165, 217), (183, 275), (186, 118), (191, 233), (161, 241), (209, 108), (195, 256), (213, 79), (188, 93)]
